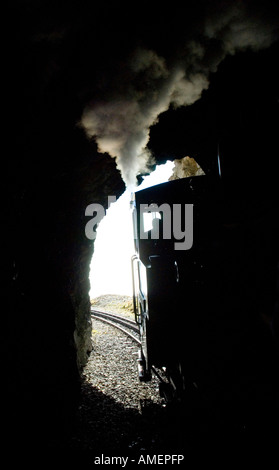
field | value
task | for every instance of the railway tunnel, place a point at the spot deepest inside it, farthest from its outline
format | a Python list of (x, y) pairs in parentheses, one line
[(50, 173)]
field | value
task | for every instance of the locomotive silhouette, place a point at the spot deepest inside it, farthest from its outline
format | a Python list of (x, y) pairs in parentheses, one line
[(204, 313)]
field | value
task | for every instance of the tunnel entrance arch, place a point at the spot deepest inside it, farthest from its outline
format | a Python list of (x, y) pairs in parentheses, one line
[(110, 270)]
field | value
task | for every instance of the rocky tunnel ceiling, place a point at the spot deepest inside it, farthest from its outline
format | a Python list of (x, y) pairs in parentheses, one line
[(88, 82)]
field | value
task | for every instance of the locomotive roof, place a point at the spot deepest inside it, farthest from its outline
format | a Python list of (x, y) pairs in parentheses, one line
[(177, 191)]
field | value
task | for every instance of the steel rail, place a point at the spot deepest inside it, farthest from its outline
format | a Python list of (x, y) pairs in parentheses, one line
[(108, 318), (131, 324)]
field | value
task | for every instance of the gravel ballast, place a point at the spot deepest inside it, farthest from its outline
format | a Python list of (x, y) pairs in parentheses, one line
[(119, 416), (117, 411)]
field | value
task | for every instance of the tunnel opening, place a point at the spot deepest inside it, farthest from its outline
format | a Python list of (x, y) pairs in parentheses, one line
[(110, 269), (110, 389), (110, 377)]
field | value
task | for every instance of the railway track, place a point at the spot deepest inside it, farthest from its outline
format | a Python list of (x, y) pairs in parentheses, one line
[(120, 322)]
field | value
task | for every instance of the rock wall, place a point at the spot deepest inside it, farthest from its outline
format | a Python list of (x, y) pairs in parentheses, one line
[(50, 173), (185, 168), (48, 336)]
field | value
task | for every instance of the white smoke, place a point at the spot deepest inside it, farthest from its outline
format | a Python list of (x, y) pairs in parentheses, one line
[(148, 85), (121, 126), (238, 28)]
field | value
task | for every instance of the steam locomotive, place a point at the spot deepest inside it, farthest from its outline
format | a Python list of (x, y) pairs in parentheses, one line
[(199, 301), (172, 277)]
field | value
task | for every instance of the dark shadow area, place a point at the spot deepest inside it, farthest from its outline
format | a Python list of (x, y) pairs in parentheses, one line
[(235, 417), (106, 426)]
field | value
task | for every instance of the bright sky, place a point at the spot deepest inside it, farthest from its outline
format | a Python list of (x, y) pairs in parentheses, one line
[(110, 271)]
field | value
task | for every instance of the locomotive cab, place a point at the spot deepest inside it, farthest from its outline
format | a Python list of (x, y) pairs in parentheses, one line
[(166, 266)]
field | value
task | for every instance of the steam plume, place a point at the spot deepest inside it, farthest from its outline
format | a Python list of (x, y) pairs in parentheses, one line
[(150, 82)]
